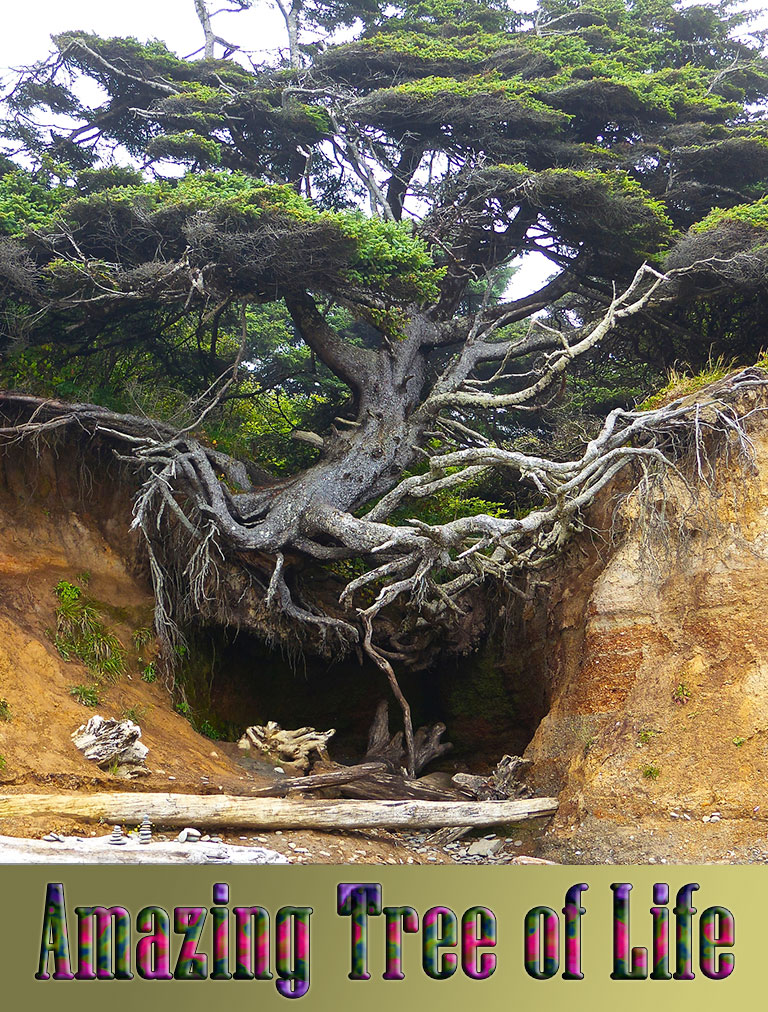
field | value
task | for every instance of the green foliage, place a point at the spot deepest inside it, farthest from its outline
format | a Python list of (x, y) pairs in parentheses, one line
[(135, 713), (681, 384), (210, 731), (647, 735), (449, 504), (373, 254), (739, 741), (3, 762), (681, 694), (651, 771), (29, 200), (755, 215), (5, 710), (81, 634), (85, 694), (186, 147), (149, 673)]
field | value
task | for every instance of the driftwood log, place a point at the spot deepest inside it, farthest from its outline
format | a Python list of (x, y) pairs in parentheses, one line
[(339, 777), (266, 813)]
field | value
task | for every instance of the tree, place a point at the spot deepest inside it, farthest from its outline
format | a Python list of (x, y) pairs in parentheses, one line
[(348, 212)]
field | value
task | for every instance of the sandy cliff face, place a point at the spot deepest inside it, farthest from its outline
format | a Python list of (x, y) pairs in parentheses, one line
[(657, 733)]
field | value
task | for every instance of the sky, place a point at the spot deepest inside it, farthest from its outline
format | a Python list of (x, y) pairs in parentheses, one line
[(26, 34)]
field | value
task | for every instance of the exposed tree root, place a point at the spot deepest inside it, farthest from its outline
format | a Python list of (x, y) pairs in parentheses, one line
[(199, 510)]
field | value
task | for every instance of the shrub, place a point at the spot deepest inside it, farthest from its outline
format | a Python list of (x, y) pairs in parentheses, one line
[(135, 713), (85, 694), (141, 637), (149, 674), (209, 731), (81, 634)]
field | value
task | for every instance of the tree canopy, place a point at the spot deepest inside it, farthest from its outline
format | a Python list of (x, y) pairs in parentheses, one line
[(301, 268)]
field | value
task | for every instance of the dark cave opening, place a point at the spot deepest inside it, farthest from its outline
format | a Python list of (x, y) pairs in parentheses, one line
[(489, 707)]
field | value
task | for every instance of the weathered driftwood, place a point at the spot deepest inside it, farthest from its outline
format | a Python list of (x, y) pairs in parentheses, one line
[(385, 786), (391, 748), (267, 813), (340, 777), (73, 850), (113, 744), (280, 746), (504, 782)]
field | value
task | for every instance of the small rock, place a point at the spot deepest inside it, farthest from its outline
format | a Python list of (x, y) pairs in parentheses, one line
[(214, 754), (705, 818), (484, 847), (53, 838), (189, 835), (279, 769), (205, 839), (517, 843), (171, 778), (714, 818)]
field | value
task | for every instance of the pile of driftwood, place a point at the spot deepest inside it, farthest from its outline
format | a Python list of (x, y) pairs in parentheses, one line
[(382, 774)]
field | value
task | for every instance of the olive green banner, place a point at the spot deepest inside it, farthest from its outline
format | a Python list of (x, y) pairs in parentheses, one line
[(729, 901)]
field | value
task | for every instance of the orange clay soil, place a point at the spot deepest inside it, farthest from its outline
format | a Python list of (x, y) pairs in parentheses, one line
[(42, 541)]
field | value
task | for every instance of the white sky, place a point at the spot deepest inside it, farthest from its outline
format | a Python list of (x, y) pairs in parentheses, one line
[(26, 34)]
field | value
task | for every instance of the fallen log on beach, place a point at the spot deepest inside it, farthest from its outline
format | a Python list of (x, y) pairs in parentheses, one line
[(267, 813)]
